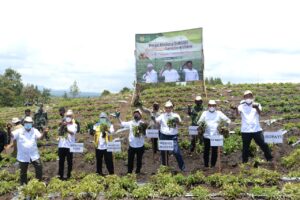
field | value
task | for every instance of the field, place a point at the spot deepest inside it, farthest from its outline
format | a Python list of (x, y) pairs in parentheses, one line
[(257, 179)]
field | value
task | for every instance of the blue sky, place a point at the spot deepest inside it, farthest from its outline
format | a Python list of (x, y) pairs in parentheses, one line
[(53, 43)]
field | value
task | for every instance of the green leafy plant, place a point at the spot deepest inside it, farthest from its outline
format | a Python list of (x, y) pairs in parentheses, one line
[(233, 191), (34, 189), (7, 186), (140, 129), (200, 193), (172, 122), (143, 192), (293, 160), (89, 157), (267, 193), (172, 190), (292, 190)]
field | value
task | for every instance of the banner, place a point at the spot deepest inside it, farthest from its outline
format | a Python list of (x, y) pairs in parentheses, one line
[(169, 57)]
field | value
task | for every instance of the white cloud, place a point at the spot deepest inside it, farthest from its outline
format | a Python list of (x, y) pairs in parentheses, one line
[(53, 43)]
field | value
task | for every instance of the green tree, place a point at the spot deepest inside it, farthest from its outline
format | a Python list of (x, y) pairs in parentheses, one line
[(124, 90), (74, 89), (10, 88), (105, 93), (45, 95), (65, 96), (31, 94)]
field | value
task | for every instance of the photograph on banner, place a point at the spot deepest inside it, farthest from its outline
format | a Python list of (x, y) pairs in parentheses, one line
[(169, 57)]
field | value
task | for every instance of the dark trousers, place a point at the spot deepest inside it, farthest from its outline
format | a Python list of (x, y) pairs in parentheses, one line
[(214, 153), (64, 153), (139, 156), (108, 159), (24, 167), (259, 140), (154, 144), (176, 151)]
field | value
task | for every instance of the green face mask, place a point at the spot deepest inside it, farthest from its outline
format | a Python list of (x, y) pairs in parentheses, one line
[(102, 121)]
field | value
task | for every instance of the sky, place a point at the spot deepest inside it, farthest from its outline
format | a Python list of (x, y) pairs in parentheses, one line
[(53, 43)]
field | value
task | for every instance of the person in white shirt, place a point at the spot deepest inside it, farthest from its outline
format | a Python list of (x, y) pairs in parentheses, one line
[(251, 129), (103, 130), (170, 74), (136, 140), (151, 75), (190, 74), (67, 134), (169, 123), (212, 118), (26, 139)]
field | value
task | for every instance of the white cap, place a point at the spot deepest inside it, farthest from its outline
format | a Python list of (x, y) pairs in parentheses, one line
[(69, 113), (150, 65), (15, 120), (28, 119), (212, 102), (138, 110), (198, 98), (247, 92), (168, 104), (103, 115)]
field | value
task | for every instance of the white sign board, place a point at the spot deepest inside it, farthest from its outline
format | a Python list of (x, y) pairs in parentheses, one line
[(76, 148), (166, 145), (216, 140), (151, 133), (114, 146), (273, 137), (193, 130)]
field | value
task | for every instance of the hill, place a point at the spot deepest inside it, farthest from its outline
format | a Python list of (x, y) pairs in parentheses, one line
[(281, 104)]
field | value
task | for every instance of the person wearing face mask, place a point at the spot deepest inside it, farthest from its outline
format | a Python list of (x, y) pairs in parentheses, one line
[(169, 123), (62, 112), (155, 112), (136, 142), (194, 113), (26, 139), (211, 118), (251, 129), (67, 134), (103, 130)]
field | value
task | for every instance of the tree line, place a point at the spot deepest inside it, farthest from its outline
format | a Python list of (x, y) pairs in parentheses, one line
[(13, 92)]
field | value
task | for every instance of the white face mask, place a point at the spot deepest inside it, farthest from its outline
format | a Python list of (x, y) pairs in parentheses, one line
[(249, 101), (211, 109), (68, 119)]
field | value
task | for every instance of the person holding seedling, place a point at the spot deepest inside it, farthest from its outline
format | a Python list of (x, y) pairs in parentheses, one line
[(209, 123), (194, 113), (137, 132), (103, 130), (169, 123), (67, 132), (250, 112), (27, 150), (62, 112), (40, 119), (170, 74), (155, 112)]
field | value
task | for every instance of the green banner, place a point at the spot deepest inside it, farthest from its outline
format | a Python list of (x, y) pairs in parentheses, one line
[(169, 57)]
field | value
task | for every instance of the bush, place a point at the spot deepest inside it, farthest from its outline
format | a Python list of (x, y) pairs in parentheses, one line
[(143, 192), (293, 160), (200, 193)]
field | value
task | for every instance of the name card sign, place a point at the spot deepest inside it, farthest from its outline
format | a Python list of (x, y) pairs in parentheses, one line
[(274, 137), (151, 133), (76, 148), (114, 146), (216, 140), (166, 145), (193, 130)]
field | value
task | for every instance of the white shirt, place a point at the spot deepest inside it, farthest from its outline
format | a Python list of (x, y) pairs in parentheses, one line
[(163, 121), (171, 75), (212, 120), (250, 118), (191, 75), (26, 143), (102, 145), (134, 142), (150, 77), (65, 142)]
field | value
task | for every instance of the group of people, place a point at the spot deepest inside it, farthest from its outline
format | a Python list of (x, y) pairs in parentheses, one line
[(170, 74), (167, 123)]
